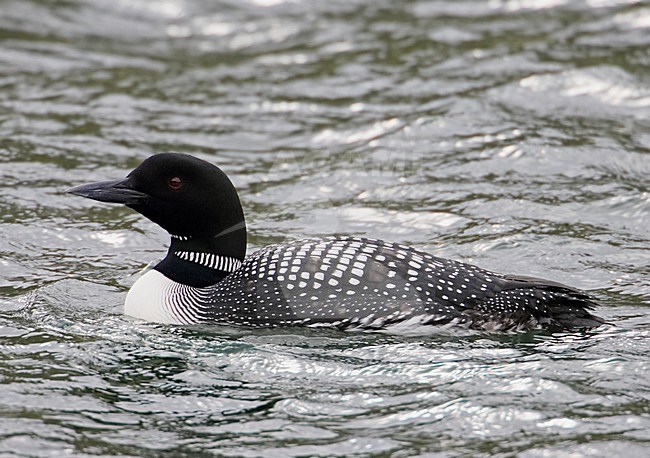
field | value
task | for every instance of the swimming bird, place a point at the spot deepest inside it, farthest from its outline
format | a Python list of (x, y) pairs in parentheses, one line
[(342, 282)]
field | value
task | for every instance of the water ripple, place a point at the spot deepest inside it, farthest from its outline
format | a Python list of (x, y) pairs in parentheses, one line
[(511, 134)]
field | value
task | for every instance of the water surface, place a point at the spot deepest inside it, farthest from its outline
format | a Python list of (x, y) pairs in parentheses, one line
[(509, 134)]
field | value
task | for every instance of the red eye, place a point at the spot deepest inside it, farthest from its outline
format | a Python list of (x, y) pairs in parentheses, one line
[(175, 183)]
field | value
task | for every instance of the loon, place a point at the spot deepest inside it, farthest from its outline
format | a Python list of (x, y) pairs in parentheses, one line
[(341, 282)]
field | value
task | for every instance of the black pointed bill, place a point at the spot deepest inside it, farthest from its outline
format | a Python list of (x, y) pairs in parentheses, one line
[(116, 191)]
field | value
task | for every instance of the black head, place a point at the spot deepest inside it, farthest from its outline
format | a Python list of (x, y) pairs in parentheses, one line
[(185, 195)]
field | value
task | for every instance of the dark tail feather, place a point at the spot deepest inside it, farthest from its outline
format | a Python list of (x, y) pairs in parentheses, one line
[(573, 313), (567, 307)]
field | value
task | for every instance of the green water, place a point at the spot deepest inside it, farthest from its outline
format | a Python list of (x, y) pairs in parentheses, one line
[(514, 135)]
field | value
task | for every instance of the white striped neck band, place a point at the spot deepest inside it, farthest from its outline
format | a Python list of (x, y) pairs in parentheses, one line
[(181, 237), (210, 260)]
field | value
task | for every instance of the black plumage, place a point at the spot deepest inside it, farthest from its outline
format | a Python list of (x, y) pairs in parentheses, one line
[(344, 282)]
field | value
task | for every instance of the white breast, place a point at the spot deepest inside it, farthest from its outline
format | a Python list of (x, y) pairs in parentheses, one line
[(151, 298)]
